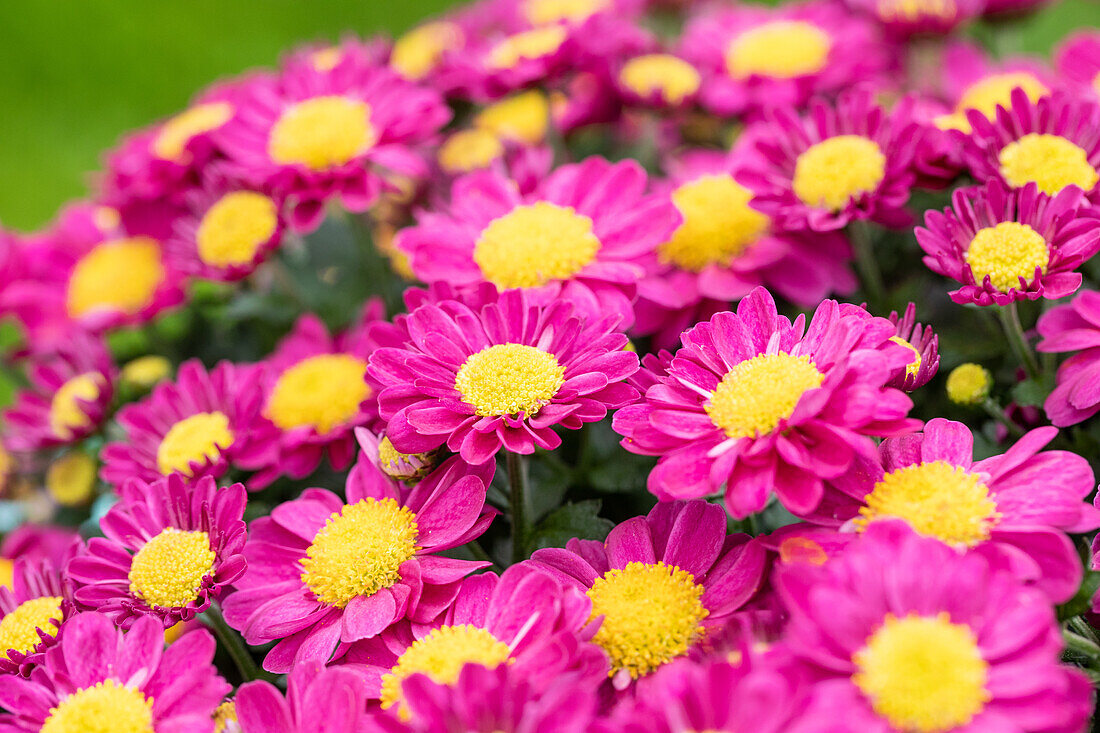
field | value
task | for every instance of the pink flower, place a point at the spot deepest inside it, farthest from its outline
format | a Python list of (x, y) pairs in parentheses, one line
[(502, 375), (754, 403), (333, 698), (1077, 58), (972, 79), (925, 345), (39, 603), (323, 573), (170, 549), (903, 19), (1074, 326)]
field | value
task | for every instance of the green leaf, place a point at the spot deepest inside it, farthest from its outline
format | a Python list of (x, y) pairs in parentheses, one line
[(1031, 392), (581, 519)]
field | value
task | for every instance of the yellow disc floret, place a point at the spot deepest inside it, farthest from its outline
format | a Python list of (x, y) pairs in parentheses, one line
[(145, 371), (923, 674), (995, 90), (913, 367), (106, 707), (322, 132), (718, 223), (914, 10), (359, 551), (532, 44), (196, 439), (671, 76), (70, 479), (1050, 161), (322, 391), (223, 715), (523, 117), (758, 393), (509, 379), (66, 413), (969, 384), (782, 49), (168, 570), (441, 655), (652, 613), (118, 275), (419, 51), (936, 499), (832, 172), (19, 629), (235, 227), (1006, 253), (171, 141), (534, 244), (544, 12), (470, 150)]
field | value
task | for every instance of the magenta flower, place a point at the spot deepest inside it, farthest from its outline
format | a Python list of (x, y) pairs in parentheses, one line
[(903, 19), (840, 163), (1006, 244), (323, 573), (170, 549), (1077, 58), (663, 583), (754, 404), (658, 80), (369, 118), (317, 698), (1074, 326), (524, 619), (925, 346), (193, 426), (502, 375), (98, 678), (70, 396), (903, 633), (33, 612), (315, 393), (583, 235)]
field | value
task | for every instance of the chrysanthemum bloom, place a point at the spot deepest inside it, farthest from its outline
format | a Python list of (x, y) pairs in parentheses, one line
[(1017, 506), (316, 698), (313, 134), (70, 395), (36, 542), (99, 679), (969, 384), (661, 80), (996, 8), (754, 404), (315, 395), (905, 18), (378, 454), (1077, 59), (1007, 244), (32, 612), (753, 58), (524, 619), (1074, 326), (193, 425), (724, 248), (925, 346), (661, 582), (483, 148), (500, 376), (583, 235), (904, 633), (170, 549), (841, 163), (1053, 142), (323, 572)]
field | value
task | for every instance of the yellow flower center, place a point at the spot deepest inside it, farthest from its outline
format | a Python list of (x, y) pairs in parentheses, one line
[(167, 571), (969, 384), (224, 714), (913, 10), (106, 218), (782, 49), (70, 480), (1050, 161), (417, 52), (718, 223), (756, 394), (673, 77), (470, 150), (923, 674), (326, 59), (651, 615), (171, 141), (1007, 252), (532, 44), (359, 551), (234, 228), (66, 414), (145, 371), (106, 707), (936, 499), (523, 117), (7, 573), (837, 169), (195, 439), (913, 367), (441, 655), (322, 132), (19, 629), (509, 379), (534, 244), (544, 12), (119, 275), (996, 90), (322, 391)]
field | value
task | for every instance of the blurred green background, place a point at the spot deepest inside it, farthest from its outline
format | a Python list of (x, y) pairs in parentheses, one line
[(78, 73)]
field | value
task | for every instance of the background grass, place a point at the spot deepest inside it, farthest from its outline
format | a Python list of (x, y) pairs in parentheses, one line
[(78, 73)]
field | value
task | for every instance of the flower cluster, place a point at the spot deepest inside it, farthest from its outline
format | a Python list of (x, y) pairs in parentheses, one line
[(566, 366)]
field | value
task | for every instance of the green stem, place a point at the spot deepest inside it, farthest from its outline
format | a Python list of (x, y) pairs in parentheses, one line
[(234, 644), (1014, 332), (517, 484), (995, 411), (866, 263), (1081, 646), (479, 552)]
